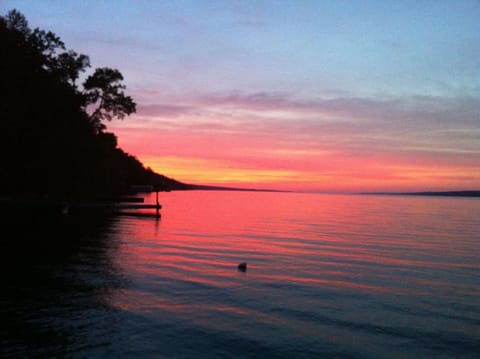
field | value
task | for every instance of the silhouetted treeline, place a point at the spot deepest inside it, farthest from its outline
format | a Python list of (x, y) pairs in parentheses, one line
[(52, 136)]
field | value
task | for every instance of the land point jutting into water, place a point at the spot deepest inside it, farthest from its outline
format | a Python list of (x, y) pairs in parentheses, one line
[(54, 139)]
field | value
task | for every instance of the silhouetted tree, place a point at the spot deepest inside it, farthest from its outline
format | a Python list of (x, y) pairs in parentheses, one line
[(104, 91), (14, 20), (69, 65)]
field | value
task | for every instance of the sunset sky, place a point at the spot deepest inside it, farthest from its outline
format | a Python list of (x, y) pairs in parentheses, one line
[(296, 95)]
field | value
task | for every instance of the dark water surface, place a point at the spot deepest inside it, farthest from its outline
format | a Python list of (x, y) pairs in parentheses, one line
[(328, 276)]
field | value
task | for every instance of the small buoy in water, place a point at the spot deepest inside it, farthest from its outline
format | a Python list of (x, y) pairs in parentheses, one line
[(242, 266)]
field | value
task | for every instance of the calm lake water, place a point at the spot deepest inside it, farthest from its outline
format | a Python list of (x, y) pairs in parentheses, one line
[(328, 276)]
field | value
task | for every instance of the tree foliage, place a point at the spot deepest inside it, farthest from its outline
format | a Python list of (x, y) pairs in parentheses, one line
[(14, 20), (69, 65), (104, 91), (52, 139)]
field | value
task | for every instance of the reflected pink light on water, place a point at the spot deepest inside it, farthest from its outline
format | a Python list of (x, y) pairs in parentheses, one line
[(303, 241)]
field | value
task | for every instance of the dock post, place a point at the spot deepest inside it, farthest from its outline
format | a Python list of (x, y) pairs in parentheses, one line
[(157, 210)]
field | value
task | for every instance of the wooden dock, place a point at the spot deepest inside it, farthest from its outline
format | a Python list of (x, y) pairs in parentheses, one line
[(114, 207), (76, 207)]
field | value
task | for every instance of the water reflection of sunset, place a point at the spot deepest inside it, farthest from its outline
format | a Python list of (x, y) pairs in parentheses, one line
[(341, 243)]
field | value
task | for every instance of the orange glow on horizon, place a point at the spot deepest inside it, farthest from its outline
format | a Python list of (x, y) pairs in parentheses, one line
[(360, 177), (214, 172)]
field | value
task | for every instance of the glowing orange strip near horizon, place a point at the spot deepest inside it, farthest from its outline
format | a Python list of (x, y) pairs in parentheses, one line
[(216, 171), (381, 177)]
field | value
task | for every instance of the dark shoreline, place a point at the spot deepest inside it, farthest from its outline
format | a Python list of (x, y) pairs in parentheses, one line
[(429, 194), (195, 187)]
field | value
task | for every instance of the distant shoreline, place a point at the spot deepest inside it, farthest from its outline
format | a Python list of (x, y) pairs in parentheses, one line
[(221, 188), (463, 193), (431, 194)]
